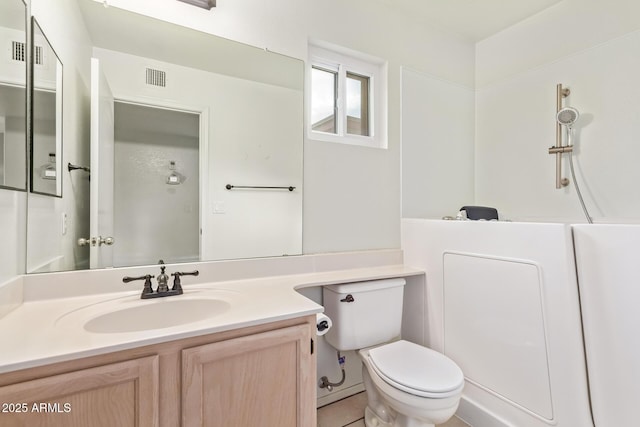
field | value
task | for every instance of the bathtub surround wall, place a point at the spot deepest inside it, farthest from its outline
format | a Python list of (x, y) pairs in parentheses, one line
[(502, 302), (587, 46), (437, 141)]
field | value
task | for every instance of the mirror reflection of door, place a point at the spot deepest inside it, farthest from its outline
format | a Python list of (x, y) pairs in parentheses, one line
[(13, 152), (101, 186), (145, 181)]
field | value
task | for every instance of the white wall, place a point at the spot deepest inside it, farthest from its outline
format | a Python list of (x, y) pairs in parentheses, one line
[(351, 194), (12, 230), (437, 146), (14, 152), (589, 47)]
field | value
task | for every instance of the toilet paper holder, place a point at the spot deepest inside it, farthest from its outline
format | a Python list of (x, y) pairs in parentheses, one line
[(322, 325)]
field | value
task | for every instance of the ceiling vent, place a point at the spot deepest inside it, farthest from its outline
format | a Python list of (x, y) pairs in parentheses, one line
[(156, 77)]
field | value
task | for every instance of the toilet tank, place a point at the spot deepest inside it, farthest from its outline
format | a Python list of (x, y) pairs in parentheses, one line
[(364, 314)]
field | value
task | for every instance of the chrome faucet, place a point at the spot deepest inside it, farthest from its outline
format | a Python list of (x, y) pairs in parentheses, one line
[(162, 279)]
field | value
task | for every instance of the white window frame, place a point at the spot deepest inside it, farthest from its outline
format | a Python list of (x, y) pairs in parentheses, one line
[(342, 60)]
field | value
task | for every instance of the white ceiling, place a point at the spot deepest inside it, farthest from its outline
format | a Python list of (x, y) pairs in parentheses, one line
[(472, 19)]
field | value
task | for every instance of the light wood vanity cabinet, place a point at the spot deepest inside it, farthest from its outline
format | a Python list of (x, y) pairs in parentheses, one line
[(257, 380), (257, 376), (118, 394)]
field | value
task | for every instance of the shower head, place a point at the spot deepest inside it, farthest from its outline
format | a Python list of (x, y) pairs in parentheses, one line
[(567, 116)]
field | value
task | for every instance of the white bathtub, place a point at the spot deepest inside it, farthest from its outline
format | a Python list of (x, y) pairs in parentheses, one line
[(502, 301), (608, 265)]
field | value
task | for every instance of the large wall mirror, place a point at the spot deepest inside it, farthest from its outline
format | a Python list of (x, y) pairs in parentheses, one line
[(195, 149), (13, 95)]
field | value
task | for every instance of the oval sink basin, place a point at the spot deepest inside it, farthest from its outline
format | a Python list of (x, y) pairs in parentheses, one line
[(156, 315)]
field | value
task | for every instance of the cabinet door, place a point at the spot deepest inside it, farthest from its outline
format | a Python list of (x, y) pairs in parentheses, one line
[(261, 380), (119, 394)]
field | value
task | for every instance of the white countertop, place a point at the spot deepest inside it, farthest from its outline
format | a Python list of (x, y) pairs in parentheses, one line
[(41, 332)]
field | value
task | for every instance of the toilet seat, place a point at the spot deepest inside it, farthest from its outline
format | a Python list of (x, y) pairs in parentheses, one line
[(416, 369)]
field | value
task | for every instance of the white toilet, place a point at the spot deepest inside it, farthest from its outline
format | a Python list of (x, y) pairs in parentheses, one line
[(407, 385)]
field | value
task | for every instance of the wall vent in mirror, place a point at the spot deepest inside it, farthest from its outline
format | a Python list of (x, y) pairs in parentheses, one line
[(156, 77), (38, 55), (18, 51)]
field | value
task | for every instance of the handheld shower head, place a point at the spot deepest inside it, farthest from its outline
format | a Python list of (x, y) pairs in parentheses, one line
[(567, 116)]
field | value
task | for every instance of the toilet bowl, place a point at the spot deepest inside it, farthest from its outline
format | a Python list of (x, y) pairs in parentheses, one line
[(409, 385)]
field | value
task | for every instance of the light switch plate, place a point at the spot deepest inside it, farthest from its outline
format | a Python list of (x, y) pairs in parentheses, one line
[(219, 208)]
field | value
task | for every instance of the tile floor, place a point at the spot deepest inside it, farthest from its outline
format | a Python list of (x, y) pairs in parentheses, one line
[(349, 412)]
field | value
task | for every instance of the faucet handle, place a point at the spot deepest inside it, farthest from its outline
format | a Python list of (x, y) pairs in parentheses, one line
[(184, 273), (147, 282), (128, 279), (177, 284)]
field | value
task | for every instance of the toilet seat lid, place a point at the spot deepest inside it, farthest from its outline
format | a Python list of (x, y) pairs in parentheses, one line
[(416, 369)]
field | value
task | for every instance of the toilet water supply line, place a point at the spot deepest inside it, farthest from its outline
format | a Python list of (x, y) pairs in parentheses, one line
[(324, 381)]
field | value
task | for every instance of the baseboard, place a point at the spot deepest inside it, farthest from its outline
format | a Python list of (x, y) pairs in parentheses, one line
[(476, 416)]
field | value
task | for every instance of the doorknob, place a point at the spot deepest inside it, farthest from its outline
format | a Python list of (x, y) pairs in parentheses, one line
[(105, 241), (93, 241)]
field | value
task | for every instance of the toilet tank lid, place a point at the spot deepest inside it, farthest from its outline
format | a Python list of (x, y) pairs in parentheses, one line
[(370, 285)]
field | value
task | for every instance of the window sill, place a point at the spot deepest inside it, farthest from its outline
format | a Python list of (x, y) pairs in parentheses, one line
[(362, 141)]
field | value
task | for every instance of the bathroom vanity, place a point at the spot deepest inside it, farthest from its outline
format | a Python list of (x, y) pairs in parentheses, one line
[(270, 367), (225, 353)]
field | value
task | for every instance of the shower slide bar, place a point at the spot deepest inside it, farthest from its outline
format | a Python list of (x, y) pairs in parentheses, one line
[(558, 149), (231, 187)]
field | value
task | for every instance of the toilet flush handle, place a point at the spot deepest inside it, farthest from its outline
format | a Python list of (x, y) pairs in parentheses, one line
[(348, 298)]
